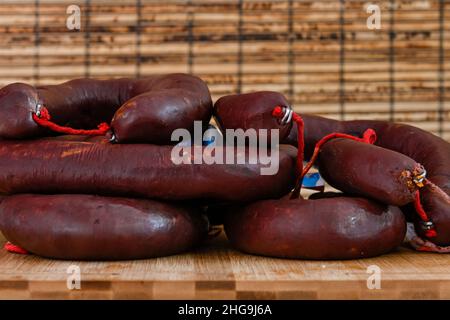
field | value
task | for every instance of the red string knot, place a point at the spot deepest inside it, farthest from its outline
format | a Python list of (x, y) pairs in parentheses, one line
[(369, 136), (283, 114), (286, 114)]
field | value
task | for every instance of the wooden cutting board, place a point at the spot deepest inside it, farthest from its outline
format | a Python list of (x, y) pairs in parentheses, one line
[(215, 271)]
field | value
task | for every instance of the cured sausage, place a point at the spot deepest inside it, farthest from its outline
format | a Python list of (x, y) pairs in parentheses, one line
[(87, 227), (333, 228), (427, 153), (139, 110), (428, 150), (330, 228), (139, 170), (364, 169), (252, 111)]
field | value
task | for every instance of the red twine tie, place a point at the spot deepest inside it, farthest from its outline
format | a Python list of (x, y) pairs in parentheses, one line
[(369, 136), (44, 121), (431, 232), (14, 249)]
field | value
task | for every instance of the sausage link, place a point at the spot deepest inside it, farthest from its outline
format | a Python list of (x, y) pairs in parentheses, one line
[(329, 228), (87, 227), (140, 110)]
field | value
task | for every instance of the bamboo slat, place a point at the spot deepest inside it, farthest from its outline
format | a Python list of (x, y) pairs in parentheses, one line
[(319, 53)]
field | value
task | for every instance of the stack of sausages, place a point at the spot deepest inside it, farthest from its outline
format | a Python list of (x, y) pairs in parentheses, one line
[(70, 190), (117, 195), (404, 175)]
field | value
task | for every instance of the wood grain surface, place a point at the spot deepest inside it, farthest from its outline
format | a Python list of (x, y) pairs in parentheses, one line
[(216, 271)]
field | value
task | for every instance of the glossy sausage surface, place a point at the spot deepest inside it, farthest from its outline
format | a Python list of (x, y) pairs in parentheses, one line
[(427, 149), (363, 169), (140, 170), (329, 228), (140, 110), (87, 227), (251, 111)]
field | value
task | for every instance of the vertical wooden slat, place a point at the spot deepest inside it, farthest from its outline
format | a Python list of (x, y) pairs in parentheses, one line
[(138, 38), (190, 36), (240, 56), (441, 68), (87, 39), (342, 60), (37, 41), (392, 36), (291, 57)]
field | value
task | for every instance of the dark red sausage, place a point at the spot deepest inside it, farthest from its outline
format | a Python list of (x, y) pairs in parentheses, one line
[(363, 169), (85, 227), (424, 148), (251, 111), (144, 110), (254, 111), (159, 108), (427, 149), (58, 166), (330, 228)]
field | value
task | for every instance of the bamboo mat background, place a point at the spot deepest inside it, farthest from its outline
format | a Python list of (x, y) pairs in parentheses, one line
[(320, 53)]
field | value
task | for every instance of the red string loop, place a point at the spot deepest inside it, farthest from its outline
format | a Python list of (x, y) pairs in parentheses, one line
[(369, 136), (44, 120)]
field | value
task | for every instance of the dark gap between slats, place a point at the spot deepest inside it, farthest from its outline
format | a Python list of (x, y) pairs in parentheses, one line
[(291, 58), (37, 40), (392, 60), (441, 73), (342, 60), (190, 36), (240, 49), (87, 40), (138, 38)]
